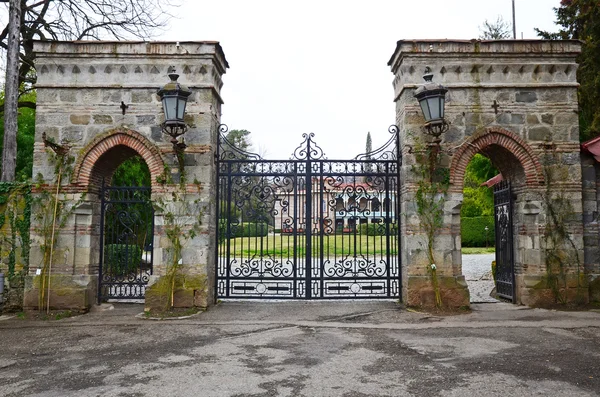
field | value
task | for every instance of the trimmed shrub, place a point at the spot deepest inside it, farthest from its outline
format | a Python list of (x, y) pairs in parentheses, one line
[(373, 229), (473, 231), (122, 259), (249, 229)]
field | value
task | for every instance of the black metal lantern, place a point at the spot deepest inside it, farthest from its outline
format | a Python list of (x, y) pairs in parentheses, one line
[(432, 99), (174, 98)]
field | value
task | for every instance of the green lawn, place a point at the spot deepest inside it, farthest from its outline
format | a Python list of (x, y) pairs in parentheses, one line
[(341, 244), (478, 250), (283, 245)]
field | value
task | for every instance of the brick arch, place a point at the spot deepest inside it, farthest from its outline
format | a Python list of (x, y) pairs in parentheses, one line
[(484, 142), (125, 141)]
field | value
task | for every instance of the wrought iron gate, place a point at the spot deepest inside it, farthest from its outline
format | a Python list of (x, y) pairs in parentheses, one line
[(505, 266), (126, 235), (308, 227)]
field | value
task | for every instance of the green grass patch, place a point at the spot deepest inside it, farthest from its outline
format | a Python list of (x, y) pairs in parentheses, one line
[(287, 245), (478, 250)]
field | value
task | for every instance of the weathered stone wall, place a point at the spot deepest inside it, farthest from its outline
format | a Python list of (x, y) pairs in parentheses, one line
[(12, 298), (514, 101), (80, 89), (590, 169)]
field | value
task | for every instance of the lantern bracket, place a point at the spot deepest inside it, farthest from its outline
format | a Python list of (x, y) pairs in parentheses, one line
[(436, 128), (175, 132)]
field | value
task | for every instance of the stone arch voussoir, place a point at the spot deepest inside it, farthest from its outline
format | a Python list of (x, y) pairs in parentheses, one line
[(498, 136), (103, 143)]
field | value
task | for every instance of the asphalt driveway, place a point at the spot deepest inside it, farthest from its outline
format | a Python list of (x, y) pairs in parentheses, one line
[(305, 349)]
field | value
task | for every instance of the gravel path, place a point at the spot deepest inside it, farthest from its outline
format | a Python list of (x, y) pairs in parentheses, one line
[(477, 270)]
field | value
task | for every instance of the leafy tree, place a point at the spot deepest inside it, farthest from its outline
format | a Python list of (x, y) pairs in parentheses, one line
[(246, 190), (132, 172), (67, 20), (24, 139), (478, 200), (498, 30), (580, 19), (480, 169), (239, 139)]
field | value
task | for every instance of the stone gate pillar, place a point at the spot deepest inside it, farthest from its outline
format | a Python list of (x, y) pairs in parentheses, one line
[(514, 101), (98, 99)]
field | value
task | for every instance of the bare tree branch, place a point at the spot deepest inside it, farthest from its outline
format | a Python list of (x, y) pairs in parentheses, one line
[(77, 20), (498, 30)]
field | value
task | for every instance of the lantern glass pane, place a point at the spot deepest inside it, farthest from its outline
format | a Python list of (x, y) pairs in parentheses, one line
[(425, 109), (170, 106), (434, 107), (442, 106), (181, 108)]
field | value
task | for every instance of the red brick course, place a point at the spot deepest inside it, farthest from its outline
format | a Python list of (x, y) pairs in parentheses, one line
[(89, 171), (500, 137)]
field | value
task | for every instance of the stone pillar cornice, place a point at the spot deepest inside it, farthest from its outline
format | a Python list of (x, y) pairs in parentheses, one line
[(486, 64), (495, 48), (119, 49), (128, 64)]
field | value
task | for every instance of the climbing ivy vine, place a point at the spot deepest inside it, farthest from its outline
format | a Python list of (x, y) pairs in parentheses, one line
[(50, 213), (182, 213), (560, 249), (15, 215), (433, 181)]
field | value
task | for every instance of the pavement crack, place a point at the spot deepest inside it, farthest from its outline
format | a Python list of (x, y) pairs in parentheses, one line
[(258, 331), (354, 316)]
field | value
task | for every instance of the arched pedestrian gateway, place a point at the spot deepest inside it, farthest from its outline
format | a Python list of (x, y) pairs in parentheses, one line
[(125, 239), (514, 158), (521, 172), (100, 158)]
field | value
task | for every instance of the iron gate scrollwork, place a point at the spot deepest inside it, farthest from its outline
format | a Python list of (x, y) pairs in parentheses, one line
[(308, 227), (126, 235), (505, 267)]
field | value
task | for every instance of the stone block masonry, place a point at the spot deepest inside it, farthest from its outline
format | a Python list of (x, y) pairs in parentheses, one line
[(514, 101), (99, 98)]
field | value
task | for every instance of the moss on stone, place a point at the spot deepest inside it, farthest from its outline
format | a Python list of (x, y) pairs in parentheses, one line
[(188, 291), (66, 292), (421, 294), (573, 290), (197, 282)]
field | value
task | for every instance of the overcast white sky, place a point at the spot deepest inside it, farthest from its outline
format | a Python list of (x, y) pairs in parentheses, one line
[(321, 66)]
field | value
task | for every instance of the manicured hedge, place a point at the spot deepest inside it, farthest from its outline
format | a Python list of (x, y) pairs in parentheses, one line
[(246, 229), (250, 229), (122, 259), (473, 231), (373, 229)]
